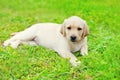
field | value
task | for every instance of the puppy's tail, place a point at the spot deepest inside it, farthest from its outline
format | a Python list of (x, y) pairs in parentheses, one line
[(13, 34)]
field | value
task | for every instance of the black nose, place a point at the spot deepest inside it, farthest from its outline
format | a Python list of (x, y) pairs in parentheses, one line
[(73, 38)]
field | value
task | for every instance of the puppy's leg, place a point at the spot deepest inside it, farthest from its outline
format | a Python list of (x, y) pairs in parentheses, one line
[(15, 44), (32, 43), (73, 59), (67, 54), (84, 50), (26, 35)]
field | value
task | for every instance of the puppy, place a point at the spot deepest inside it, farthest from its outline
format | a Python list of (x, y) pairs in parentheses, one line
[(71, 36)]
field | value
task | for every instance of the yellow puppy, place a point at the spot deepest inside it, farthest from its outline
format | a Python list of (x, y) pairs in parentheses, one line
[(71, 36)]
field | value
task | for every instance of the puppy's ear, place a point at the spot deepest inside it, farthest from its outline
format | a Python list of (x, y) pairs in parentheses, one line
[(62, 30), (85, 30)]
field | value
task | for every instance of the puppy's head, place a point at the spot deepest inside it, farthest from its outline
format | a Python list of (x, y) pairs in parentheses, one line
[(74, 29)]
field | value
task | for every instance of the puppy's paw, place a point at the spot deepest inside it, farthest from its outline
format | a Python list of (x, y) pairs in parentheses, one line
[(84, 53), (75, 64), (6, 43), (15, 44), (84, 50)]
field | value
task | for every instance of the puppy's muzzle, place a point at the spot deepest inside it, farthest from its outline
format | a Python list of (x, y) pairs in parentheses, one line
[(73, 38)]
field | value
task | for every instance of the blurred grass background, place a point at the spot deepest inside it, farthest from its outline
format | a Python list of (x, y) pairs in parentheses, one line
[(39, 63)]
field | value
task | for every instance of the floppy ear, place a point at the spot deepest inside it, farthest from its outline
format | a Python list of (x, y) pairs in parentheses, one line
[(85, 30), (62, 30)]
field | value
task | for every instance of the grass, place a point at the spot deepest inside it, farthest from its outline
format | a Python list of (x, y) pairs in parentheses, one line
[(39, 63)]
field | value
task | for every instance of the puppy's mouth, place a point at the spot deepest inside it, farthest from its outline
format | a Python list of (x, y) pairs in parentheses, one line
[(73, 40)]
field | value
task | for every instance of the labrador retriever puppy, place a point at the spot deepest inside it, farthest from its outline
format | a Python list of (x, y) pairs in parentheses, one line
[(65, 38)]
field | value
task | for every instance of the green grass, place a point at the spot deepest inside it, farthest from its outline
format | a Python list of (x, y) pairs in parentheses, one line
[(39, 63)]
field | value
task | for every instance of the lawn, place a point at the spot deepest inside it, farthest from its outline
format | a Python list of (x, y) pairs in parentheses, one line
[(39, 63)]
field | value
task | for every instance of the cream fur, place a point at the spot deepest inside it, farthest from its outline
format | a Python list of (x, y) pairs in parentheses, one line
[(56, 37)]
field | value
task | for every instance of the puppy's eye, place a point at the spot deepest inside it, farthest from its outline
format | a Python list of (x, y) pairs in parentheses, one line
[(69, 28), (79, 29)]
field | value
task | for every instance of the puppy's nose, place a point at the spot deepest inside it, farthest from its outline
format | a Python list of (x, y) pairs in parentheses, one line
[(73, 38)]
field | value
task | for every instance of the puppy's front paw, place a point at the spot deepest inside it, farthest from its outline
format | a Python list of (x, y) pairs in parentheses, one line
[(84, 50), (74, 64), (84, 53)]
